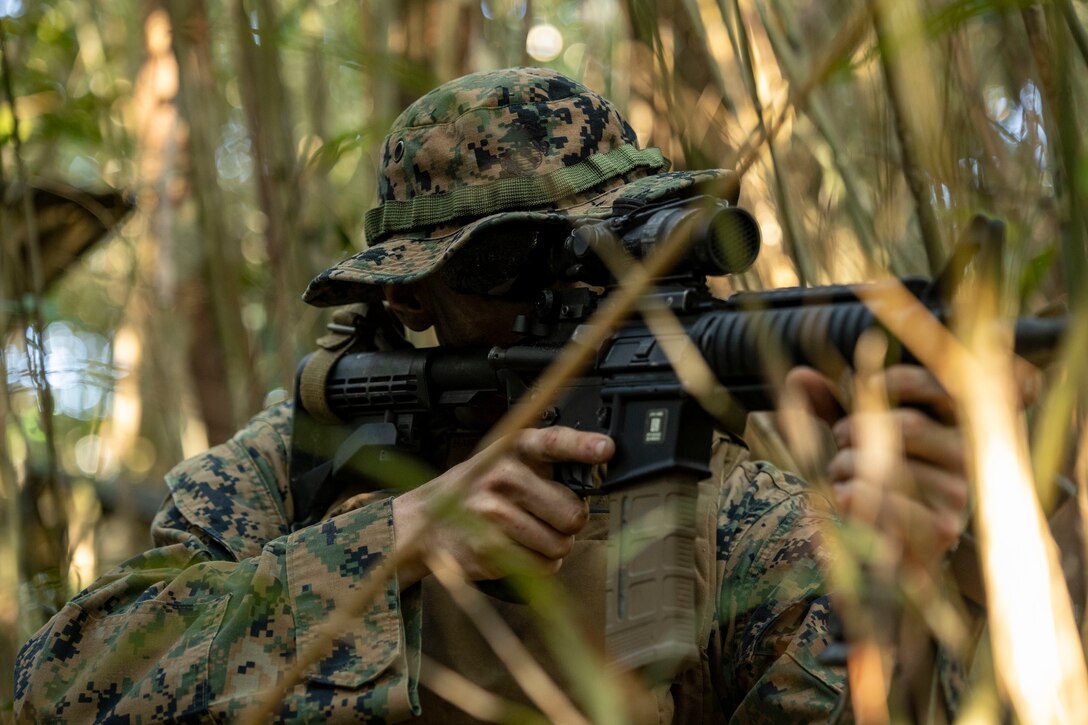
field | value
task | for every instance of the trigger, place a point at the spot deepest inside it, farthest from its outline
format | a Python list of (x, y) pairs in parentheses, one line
[(578, 477)]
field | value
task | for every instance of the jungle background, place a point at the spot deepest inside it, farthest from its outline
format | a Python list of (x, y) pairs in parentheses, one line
[(174, 172)]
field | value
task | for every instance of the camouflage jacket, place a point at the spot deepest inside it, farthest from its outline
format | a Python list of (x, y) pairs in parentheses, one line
[(201, 626)]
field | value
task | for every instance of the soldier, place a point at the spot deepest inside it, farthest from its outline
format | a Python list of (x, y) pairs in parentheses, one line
[(205, 623)]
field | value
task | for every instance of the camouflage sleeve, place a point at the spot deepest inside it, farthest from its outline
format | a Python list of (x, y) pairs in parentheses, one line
[(773, 606), (200, 627)]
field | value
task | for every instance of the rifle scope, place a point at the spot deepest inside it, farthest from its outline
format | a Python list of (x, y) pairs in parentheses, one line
[(721, 239)]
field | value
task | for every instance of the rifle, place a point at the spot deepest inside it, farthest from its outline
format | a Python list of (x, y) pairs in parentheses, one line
[(375, 410)]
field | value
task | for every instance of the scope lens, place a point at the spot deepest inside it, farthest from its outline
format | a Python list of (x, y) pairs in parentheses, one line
[(732, 240)]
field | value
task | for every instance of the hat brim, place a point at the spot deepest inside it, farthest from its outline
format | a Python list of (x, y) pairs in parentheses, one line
[(406, 259)]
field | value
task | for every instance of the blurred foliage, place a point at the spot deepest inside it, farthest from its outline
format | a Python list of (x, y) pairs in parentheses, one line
[(246, 133)]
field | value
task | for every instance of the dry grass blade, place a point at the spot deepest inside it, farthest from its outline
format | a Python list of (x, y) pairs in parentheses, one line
[(1052, 434), (793, 231), (1040, 662), (1038, 658), (695, 375), (504, 642), (466, 695), (1082, 507), (879, 451)]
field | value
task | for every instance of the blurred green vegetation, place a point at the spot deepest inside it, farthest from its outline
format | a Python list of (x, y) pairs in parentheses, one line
[(244, 134)]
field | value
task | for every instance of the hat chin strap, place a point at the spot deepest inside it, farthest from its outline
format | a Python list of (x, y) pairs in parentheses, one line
[(514, 193)]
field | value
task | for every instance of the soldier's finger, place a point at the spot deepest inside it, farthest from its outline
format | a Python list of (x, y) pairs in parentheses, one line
[(921, 437), (921, 532), (524, 529), (1029, 380), (937, 488), (560, 443), (567, 516), (553, 503), (528, 486), (915, 386), (942, 491), (817, 391)]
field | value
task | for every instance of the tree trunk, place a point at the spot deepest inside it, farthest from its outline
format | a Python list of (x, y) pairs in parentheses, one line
[(279, 193), (220, 352)]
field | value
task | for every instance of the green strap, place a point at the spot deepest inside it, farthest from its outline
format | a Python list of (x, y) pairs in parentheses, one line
[(311, 384), (330, 348), (514, 193)]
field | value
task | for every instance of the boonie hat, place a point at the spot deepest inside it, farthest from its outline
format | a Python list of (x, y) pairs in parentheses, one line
[(492, 148)]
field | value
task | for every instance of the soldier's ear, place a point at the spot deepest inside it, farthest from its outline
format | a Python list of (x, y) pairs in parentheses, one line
[(411, 303)]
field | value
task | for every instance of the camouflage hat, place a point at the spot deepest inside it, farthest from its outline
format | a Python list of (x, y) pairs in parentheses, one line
[(521, 144)]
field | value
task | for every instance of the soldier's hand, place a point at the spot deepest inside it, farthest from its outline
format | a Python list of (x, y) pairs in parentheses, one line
[(923, 505), (518, 495), (923, 501)]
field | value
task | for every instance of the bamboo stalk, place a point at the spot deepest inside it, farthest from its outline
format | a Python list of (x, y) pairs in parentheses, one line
[(1062, 126), (645, 26), (892, 41), (8, 475), (794, 237), (162, 379), (1053, 428), (1080, 36), (847, 39), (46, 490), (691, 7), (817, 112), (319, 211)]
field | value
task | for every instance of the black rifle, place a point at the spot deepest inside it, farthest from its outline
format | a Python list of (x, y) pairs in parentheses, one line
[(423, 402)]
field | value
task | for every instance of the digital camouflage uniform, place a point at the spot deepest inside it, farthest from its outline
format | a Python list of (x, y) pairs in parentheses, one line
[(199, 627)]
